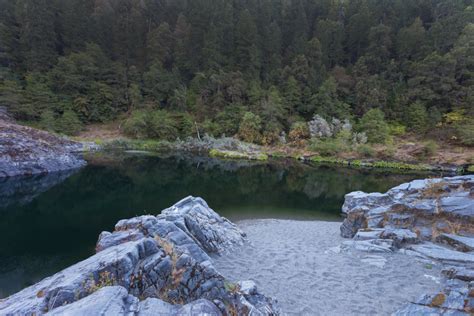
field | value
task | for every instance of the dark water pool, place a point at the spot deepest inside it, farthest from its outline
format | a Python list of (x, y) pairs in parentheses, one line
[(50, 222)]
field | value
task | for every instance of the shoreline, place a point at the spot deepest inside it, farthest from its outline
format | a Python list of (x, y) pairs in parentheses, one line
[(258, 153)]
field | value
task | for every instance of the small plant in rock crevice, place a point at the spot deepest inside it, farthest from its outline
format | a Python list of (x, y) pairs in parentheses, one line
[(176, 274), (106, 278)]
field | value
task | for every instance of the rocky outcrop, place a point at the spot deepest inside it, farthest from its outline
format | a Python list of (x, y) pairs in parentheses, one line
[(429, 207), (150, 265), (457, 298), (432, 219), (27, 151)]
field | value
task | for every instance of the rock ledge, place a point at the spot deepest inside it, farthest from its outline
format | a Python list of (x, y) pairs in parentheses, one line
[(432, 219), (150, 265)]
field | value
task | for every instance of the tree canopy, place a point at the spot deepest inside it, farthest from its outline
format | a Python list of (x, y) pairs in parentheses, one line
[(228, 64)]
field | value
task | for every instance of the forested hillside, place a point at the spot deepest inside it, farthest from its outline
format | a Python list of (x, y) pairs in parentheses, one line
[(253, 68)]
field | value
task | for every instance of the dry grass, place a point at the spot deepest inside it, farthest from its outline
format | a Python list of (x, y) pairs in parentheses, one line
[(434, 190), (176, 274)]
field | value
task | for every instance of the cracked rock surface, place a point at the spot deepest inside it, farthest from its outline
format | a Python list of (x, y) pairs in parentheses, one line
[(431, 219), (149, 265), (27, 151)]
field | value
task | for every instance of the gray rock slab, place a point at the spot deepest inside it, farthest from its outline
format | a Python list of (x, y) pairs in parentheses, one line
[(460, 243), (110, 300), (460, 273), (373, 245), (79, 280), (443, 254)]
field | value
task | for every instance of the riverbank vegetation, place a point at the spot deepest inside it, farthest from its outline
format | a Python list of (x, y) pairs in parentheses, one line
[(362, 79)]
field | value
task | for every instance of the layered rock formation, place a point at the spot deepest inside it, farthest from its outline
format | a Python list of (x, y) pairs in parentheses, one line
[(150, 265), (26, 151), (432, 219)]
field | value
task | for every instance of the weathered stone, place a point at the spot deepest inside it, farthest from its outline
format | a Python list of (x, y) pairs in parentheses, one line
[(452, 300), (460, 273), (373, 245), (460, 243), (163, 258), (436, 252), (110, 300), (353, 223), (153, 306), (366, 234), (115, 300), (213, 233), (413, 309), (27, 151), (428, 207), (399, 236), (112, 265), (247, 287)]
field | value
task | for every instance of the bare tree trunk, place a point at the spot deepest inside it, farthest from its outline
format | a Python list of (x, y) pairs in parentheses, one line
[(197, 131)]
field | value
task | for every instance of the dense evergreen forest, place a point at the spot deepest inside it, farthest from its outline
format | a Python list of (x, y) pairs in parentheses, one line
[(253, 68)]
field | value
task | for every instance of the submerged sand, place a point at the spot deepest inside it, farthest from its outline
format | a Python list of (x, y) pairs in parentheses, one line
[(296, 262)]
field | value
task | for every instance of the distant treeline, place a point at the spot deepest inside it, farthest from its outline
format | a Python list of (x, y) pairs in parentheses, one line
[(64, 63)]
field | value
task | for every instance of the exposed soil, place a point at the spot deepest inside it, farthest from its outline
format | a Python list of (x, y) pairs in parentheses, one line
[(109, 131)]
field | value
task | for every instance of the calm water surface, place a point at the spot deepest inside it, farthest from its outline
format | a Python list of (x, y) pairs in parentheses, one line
[(50, 222)]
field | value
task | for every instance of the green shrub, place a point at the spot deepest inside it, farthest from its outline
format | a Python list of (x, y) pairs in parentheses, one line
[(365, 151), (374, 125), (250, 127), (397, 129), (48, 121), (429, 148), (465, 132), (157, 124), (69, 123), (137, 124), (162, 126), (210, 127), (185, 124), (227, 121), (416, 118)]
